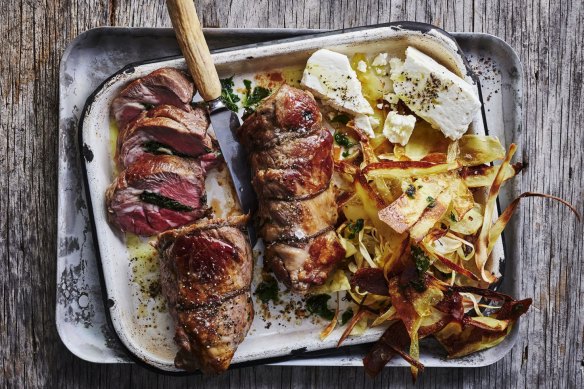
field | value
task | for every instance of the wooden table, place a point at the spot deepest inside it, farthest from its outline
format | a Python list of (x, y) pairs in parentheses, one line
[(549, 38)]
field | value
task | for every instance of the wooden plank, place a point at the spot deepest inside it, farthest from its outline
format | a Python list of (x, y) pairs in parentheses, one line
[(549, 38)]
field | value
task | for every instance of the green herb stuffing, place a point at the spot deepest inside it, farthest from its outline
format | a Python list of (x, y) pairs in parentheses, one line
[(163, 202), (411, 191), (253, 97), (422, 263), (229, 98), (431, 202), (158, 148), (346, 316), (355, 227), (267, 290), (317, 305), (343, 119)]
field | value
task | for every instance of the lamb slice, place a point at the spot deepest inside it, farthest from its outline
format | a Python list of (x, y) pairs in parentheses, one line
[(298, 219), (165, 130), (283, 116), (156, 193), (205, 273), (301, 265), (163, 86)]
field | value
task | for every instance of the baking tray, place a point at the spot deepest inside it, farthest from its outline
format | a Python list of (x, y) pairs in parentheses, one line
[(78, 301)]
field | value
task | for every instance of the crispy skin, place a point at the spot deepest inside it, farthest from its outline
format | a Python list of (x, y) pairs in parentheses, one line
[(292, 165), (182, 132), (205, 271), (170, 176), (162, 86)]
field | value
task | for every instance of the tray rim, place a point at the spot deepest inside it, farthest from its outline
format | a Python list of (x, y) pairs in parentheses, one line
[(303, 35)]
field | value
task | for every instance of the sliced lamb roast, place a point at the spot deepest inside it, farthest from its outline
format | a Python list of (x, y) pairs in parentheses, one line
[(165, 130), (292, 165), (156, 193), (206, 271), (163, 86)]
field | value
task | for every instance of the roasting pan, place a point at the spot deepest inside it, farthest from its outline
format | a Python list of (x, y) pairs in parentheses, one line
[(140, 321)]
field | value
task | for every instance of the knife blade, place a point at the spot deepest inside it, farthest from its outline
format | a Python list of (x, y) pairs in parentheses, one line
[(192, 43)]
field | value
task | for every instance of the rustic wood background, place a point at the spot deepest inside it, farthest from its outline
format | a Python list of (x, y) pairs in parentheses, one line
[(549, 38)]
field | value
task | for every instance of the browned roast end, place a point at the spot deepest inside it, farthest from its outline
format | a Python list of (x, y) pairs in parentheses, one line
[(205, 271), (163, 86), (302, 265), (133, 199)]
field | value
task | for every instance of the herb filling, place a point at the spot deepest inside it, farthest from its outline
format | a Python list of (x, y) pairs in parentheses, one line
[(163, 202)]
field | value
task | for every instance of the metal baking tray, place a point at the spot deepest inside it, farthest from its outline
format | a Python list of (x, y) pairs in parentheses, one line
[(225, 61)]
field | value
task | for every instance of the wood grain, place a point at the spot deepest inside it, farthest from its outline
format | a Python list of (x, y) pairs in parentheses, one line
[(549, 38)]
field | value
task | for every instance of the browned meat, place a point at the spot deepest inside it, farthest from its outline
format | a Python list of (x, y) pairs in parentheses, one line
[(156, 193), (205, 271), (295, 169), (163, 86), (305, 263), (165, 130), (292, 165)]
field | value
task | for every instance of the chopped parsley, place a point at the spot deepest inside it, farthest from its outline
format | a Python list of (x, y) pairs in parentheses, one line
[(253, 97), (267, 290), (317, 305), (431, 201), (346, 316), (343, 119), (411, 191), (355, 227), (229, 98), (163, 202), (453, 217), (343, 140), (422, 263)]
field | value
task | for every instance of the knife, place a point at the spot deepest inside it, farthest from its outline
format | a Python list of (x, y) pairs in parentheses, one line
[(198, 58)]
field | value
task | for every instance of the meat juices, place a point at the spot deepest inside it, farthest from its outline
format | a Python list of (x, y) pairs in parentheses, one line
[(292, 165), (205, 273)]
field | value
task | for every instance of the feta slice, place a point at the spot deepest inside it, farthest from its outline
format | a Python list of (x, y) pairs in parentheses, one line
[(330, 77), (398, 128), (362, 66), (363, 123), (391, 98), (380, 60), (434, 93)]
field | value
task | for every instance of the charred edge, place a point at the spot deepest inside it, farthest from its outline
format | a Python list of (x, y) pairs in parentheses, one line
[(296, 242), (300, 198), (215, 302), (362, 180)]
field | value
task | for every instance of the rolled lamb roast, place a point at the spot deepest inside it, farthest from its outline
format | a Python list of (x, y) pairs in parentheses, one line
[(205, 273), (292, 165)]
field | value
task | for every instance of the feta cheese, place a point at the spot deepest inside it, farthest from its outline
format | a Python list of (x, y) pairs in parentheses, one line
[(434, 93), (398, 128), (363, 123), (380, 60), (362, 66), (329, 76), (391, 98)]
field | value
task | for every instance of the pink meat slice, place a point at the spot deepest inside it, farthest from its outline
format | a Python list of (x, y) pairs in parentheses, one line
[(163, 86), (173, 178)]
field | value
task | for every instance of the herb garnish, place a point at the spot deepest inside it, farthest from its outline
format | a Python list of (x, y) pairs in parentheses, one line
[(355, 227), (163, 202), (267, 290), (253, 97), (346, 316), (343, 140), (452, 217), (343, 119), (317, 305), (431, 201), (422, 263), (411, 191), (227, 95)]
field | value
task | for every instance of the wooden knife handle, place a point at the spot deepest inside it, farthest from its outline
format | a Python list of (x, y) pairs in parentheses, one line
[(194, 47)]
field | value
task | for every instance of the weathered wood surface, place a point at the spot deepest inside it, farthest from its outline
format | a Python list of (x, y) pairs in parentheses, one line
[(549, 37)]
